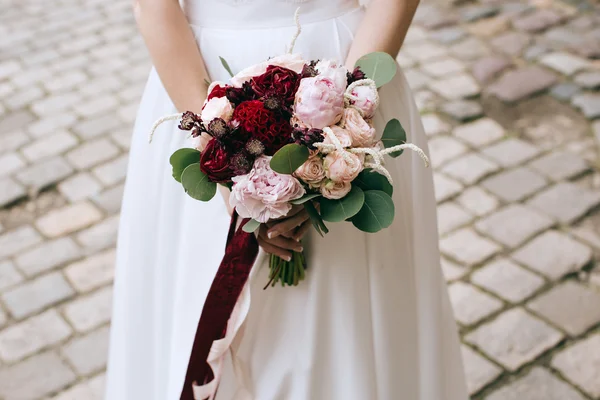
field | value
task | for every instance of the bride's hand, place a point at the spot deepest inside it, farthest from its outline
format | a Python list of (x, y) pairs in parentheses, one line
[(282, 236)]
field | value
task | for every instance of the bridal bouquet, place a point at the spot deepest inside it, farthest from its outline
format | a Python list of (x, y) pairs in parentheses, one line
[(287, 132)]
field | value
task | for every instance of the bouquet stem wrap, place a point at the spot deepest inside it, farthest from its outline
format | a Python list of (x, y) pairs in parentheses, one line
[(202, 379)]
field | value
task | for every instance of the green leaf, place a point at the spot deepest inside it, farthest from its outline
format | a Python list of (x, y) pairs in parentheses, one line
[(181, 159), (315, 218), (289, 158), (305, 198), (344, 208), (376, 214), (370, 180), (207, 82), (251, 226), (393, 135), (379, 66), (226, 66), (196, 183)]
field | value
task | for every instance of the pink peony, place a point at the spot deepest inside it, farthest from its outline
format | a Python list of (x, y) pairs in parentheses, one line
[(367, 101), (319, 102), (335, 190), (331, 70), (312, 171), (263, 194), (338, 169), (289, 61), (362, 134), (342, 135), (217, 107)]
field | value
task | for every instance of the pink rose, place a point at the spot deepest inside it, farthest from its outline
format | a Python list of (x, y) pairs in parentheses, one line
[(289, 61), (342, 135), (217, 107), (367, 101), (200, 142), (319, 102), (339, 169), (335, 190), (312, 171), (362, 134), (263, 194)]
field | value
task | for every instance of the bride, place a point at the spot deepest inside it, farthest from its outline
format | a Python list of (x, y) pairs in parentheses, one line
[(372, 319)]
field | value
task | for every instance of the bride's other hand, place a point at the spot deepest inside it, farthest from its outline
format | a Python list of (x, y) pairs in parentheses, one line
[(293, 226), (278, 245)]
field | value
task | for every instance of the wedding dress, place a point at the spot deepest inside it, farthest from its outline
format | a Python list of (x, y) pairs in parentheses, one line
[(372, 320)]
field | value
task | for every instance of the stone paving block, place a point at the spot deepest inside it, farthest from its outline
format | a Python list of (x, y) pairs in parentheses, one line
[(57, 103), (425, 51), (32, 335), (17, 240), (470, 48), (560, 165), (443, 67), (46, 173), (507, 280), (515, 184), (112, 172), (522, 83), (470, 168), (471, 305), (10, 191), (33, 296), (565, 63), (511, 152), (514, 338), (468, 247), (478, 371), (48, 146), (100, 236), (96, 106), (23, 97), (35, 377), (9, 163), (443, 149), (571, 306), (47, 126), (68, 219), (579, 363), (451, 216), (588, 80), (554, 255), (8, 68), (91, 389), (15, 121), (66, 81), (452, 271), (110, 200), (477, 201), (513, 224), (434, 125), (87, 313), (539, 384), (487, 68), (9, 276), (416, 79), (565, 201), (477, 12), (511, 43), (463, 110), (565, 91), (12, 140), (93, 272), (79, 187), (47, 256), (588, 103), (97, 126), (88, 354), (537, 21), (92, 153), (456, 87)]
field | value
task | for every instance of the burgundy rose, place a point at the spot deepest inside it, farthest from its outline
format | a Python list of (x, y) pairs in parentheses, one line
[(215, 162), (277, 82), (238, 95), (218, 91)]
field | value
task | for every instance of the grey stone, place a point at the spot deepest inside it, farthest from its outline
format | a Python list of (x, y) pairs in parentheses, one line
[(522, 83), (475, 13), (12, 140), (534, 52), (511, 43), (9, 163), (515, 184), (513, 224), (10, 191), (79, 187), (471, 305), (49, 146), (477, 201), (554, 255), (507, 280), (9, 276), (45, 173), (434, 125), (470, 168), (92, 153), (68, 219), (565, 91), (110, 200), (588, 80), (487, 68), (91, 389), (113, 171), (445, 187), (463, 110), (570, 306), (565, 201), (17, 240), (87, 313), (443, 149), (537, 21), (470, 48), (88, 354), (46, 126), (468, 247), (538, 384), (443, 67), (450, 217), (560, 165), (511, 152), (35, 377), (456, 87), (588, 103), (100, 236), (416, 79), (562, 37), (514, 338), (424, 51), (579, 363), (452, 271), (47, 256), (448, 35), (93, 272), (96, 126), (480, 132), (478, 371), (564, 63)]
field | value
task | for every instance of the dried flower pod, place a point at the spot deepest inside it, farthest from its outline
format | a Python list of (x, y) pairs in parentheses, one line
[(255, 147), (189, 120), (356, 75), (241, 163), (218, 128), (309, 70), (308, 137)]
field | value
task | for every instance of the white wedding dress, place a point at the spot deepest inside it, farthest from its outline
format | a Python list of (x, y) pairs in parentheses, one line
[(372, 320)]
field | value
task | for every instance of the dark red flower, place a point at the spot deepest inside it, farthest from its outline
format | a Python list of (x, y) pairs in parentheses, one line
[(239, 95), (189, 120), (215, 162), (356, 75), (218, 91), (276, 82)]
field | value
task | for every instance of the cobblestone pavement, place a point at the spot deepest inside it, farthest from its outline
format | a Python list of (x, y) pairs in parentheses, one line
[(508, 90)]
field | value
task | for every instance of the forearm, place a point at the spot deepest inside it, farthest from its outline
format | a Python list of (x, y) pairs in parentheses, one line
[(383, 28), (174, 52)]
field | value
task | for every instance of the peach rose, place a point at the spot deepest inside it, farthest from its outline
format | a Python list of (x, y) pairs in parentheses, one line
[(312, 171), (289, 61), (335, 190), (342, 135), (339, 170), (361, 132), (217, 107)]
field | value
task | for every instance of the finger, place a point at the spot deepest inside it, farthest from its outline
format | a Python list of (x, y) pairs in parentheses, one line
[(300, 232), (281, 242), (271, 249), (293, 211), (288, 224)]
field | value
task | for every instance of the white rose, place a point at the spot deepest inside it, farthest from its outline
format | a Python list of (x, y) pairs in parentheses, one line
[(217, 107), (289, 61)]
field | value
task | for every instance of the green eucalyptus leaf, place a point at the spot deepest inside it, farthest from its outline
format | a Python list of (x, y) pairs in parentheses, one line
[(181, 159), (226, 66), (196, 183), (371, 180), (305, 198), (251, 226), (344, 208), (289, 158), (376, 214), (393, 135), (378, 66)]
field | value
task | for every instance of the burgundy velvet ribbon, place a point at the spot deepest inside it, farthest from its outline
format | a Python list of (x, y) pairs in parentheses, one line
[(240, 254)]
